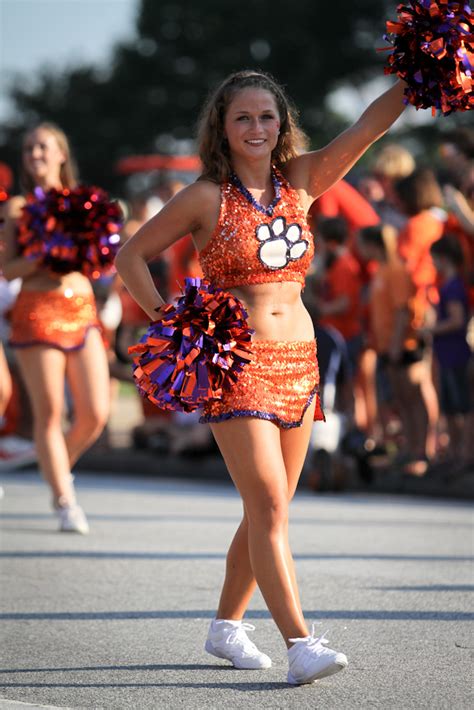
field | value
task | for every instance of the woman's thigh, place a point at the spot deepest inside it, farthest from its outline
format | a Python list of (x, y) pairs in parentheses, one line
[(251, 449), (87, 372), (43, 370), (294, 446)]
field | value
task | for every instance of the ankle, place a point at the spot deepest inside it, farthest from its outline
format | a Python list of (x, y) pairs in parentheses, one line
[(64, 502), (67, 497), (218, 621)]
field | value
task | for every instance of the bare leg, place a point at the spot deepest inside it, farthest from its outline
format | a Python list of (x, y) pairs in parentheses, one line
[(43, 371), (5, 383), (87, 371), (253, 452), (406, 385), (239, 584), (294, 445), (367, 406)]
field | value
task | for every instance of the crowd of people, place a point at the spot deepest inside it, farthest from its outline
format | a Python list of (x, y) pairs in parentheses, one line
[(398, 287), (392, 283)]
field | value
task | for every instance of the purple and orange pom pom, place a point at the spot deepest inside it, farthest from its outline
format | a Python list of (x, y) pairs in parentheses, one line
[(71, 230), (433, 52), (195, 350)]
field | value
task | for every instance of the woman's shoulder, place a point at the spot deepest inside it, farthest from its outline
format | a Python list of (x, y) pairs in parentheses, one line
[(201, 194), (205, 188)]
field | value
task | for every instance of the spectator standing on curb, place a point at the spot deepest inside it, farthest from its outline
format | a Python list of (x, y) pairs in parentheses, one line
[(340, 303), (452, 352), (399, 353)]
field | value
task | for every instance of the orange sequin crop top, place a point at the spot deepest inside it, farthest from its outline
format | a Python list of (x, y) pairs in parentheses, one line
[(252, 244)]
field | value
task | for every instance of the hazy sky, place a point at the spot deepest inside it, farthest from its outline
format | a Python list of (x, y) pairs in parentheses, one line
[(58, 33)]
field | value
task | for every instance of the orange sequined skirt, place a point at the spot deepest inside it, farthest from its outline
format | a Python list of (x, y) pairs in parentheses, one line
[(278, 385), (52, 318)]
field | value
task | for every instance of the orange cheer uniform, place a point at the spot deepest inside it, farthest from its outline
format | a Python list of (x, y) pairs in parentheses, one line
[(252, 244)]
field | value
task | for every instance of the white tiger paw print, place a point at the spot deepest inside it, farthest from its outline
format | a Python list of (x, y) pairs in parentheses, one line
[(280, 244)]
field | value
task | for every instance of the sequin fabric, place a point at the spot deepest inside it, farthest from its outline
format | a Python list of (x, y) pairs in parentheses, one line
[(251, 247), (60, 320), (278, 385)]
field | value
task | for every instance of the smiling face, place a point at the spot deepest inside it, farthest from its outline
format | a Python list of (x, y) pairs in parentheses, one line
[(43, 157), (252, 124)]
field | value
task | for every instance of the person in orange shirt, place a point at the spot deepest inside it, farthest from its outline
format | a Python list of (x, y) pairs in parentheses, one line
[(343, 200), (421, 198), (391, 295), (340, 305)]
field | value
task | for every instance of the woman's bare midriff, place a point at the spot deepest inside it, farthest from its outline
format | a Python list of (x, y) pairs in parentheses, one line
[(276, 311), (47, 281)]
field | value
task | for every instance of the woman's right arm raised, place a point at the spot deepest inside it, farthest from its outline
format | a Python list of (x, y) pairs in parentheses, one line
[(191, 210), (12, 265)]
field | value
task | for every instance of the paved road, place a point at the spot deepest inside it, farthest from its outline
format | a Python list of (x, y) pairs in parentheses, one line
[(118, 620)]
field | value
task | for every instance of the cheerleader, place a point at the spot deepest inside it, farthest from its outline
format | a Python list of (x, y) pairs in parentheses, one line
[(247, 214), (56, 335)]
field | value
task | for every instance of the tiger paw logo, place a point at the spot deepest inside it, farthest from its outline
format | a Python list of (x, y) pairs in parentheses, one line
[(280, 244)]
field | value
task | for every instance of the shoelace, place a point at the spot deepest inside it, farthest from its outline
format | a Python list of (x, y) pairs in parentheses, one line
[(236, 634), (312, 641)]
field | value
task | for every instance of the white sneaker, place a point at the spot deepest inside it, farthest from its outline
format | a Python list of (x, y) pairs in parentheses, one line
[(310, 660), (72, 519), (228, 639)]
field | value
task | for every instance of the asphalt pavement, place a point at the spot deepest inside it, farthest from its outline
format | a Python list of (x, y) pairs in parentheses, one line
[(118, 619)]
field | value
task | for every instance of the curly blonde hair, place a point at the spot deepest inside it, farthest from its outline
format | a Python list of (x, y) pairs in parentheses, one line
[(68, 173), (212, 144)]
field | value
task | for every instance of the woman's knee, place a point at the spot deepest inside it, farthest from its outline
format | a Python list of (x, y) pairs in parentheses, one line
[(90, 422), (47, 416), (268, 511)]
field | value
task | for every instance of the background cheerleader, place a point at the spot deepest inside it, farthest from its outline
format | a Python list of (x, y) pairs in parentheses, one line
[(56, 334)]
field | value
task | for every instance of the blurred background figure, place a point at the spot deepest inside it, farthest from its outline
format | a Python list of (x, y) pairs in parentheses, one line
[(391, 164), (339, 303), (345, 201), (160, 431), (49, 351), (421, 199), (452, 352), (400, 355), (15, 450)]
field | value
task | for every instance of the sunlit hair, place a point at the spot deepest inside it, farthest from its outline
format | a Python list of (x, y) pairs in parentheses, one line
[(68, 171), (212, 143), (394, 162)]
